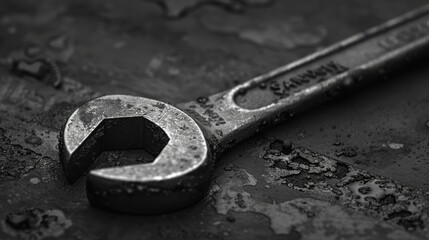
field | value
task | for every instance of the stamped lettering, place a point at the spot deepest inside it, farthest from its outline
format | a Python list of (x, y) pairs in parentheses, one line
[(407, 35), (318, 74)]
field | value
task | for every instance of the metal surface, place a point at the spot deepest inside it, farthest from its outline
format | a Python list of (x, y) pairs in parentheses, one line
[(179, 175), (376, 137)]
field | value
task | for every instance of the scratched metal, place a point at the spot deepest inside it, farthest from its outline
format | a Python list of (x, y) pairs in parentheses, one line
[(281, 93), (117, 47), (180, 172)]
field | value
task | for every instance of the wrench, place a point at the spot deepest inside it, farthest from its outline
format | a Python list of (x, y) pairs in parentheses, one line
[(186, 138)]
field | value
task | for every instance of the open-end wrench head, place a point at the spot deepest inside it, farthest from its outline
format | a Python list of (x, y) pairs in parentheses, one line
[(179, 175)]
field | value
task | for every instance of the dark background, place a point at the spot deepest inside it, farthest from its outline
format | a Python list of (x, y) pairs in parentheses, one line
[(176, 51)]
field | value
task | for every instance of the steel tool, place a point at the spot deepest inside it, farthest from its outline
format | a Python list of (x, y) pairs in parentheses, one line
[(187, 137)]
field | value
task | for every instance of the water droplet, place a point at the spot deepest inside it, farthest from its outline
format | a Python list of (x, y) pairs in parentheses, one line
[(202, 100), (427, 123), (396, 146), (34, 180)]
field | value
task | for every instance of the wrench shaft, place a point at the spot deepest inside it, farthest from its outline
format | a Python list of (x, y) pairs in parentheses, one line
[(230, 116)]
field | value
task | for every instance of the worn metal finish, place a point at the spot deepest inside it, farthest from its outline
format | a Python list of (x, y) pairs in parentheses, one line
[(180, 171), (267, 99), (179, 175)]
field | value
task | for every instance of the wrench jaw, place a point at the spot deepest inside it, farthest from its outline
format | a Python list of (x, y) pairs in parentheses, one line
[(147, 198), (76, 161), (179, 175)]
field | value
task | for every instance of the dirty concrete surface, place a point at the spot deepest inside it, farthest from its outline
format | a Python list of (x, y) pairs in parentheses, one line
[(354, 168)]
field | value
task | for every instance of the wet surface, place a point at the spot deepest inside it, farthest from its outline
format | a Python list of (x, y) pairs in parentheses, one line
[(354, 188), (306, 218), (354, 168), (36, 223)]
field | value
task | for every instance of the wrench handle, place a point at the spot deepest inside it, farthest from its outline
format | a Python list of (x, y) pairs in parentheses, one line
[(235, 114)]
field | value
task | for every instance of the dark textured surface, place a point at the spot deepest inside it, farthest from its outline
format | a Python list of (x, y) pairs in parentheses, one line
[(55, 55)]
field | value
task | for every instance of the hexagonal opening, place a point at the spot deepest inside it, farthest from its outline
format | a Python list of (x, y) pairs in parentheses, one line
[(128, 141), (131, 136)]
